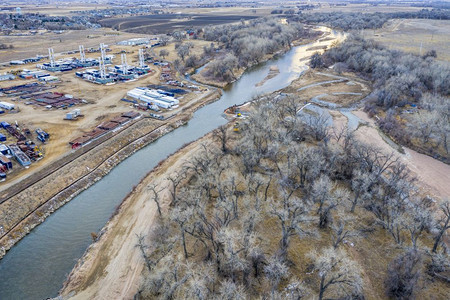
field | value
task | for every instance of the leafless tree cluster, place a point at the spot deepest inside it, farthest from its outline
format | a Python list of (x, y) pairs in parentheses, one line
[(359, 20), (413, 87), (250, 41), (239, 205)]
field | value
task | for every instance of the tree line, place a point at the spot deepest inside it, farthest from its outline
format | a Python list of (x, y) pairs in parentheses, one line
[(358, 21)]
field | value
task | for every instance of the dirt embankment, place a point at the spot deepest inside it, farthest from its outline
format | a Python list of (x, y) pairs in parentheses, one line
[(433, 175), (27, 209), (111, 267)]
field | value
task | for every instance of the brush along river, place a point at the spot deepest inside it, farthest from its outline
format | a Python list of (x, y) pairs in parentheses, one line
[(36, 267)]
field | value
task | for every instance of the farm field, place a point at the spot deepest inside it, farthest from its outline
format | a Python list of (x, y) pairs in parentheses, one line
[(59, 10), (365, 8), (411, 35), (156, 24)]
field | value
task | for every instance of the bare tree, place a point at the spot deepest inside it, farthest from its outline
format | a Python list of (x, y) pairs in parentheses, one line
[(143, 248), (183, 51), (341, 232), (163, 53), (164, 40), (318, 126), (178, 36), (403, 274), (291, 213), (439, 266), (156, 196), (275, 270), (182, 216), (229, 290), (443, 224), (417, 220), (327, 200), (175, 179), (334, 268), (361, 183), (234, 250), (221, 135)]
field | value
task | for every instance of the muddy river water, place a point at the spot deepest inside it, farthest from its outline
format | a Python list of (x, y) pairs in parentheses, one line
[(36, 267)]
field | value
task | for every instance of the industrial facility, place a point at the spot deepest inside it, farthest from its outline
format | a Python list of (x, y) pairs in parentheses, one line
[(68, 64), (134, 42), (24, 151), (159, 98), (103, 128), (122, 72)]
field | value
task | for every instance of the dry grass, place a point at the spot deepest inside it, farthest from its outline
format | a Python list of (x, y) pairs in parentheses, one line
[(353, 84), (409, 34), (196, 50)]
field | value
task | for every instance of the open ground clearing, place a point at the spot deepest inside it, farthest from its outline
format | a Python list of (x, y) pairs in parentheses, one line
[(417, 36), (341, 89)]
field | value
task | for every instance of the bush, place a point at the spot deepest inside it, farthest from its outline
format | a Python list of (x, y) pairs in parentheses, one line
[(403, 274)]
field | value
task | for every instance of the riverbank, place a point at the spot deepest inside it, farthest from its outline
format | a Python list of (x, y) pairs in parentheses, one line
[(30, 207), (237, 73), (111, 267)]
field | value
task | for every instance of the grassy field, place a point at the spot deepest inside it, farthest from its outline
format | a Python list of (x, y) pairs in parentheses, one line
[(411, 35)]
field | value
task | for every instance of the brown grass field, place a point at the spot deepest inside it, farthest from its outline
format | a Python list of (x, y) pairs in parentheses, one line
[(409, 34)]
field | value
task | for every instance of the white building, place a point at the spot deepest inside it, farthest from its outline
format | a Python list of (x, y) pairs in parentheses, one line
[(134, 42), (7, 77), (48, 78), (7, 105)]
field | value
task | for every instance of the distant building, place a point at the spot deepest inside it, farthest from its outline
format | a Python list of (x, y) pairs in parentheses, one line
[(134, 42), (7, 77), (17, 62), (7, 105), (18, 10)]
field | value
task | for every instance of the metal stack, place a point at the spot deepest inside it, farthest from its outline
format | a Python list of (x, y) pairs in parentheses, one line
[(82, 54)]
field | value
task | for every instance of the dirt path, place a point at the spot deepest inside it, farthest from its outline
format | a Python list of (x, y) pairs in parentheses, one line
[(111, 267), (433, 176)]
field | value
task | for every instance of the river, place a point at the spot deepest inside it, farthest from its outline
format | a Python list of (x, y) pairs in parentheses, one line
[(36, 267)]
